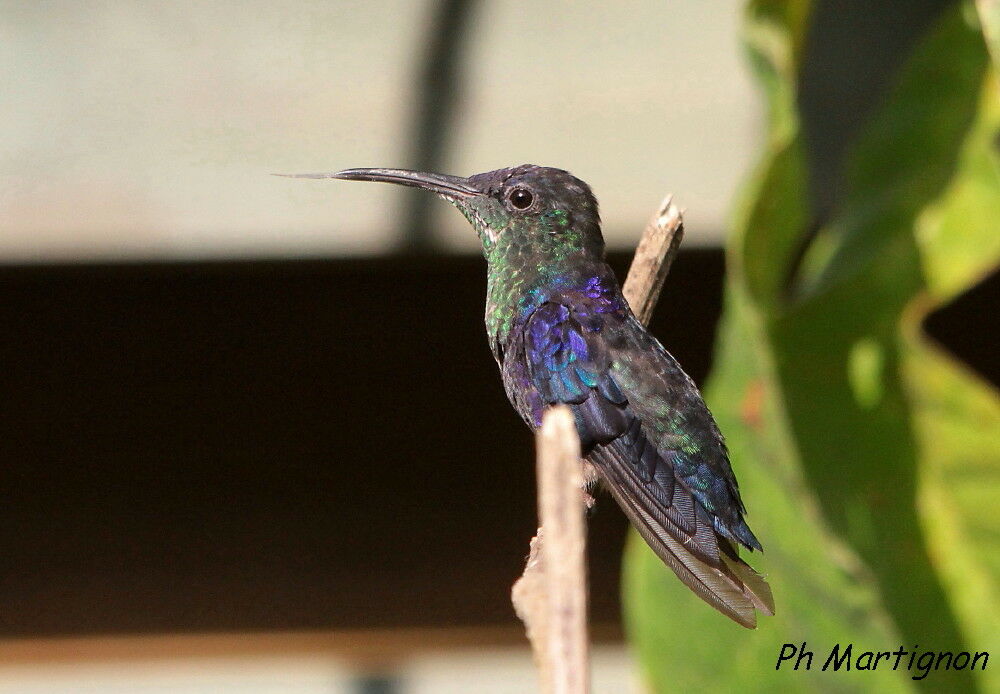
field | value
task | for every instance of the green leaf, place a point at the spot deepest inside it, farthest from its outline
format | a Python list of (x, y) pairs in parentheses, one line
[(870, 461), (825, 595)]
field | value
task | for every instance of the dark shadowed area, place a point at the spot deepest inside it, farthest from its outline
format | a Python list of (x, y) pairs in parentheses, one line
[(278, 445)]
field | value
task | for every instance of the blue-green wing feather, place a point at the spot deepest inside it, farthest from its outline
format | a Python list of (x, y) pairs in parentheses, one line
[(622, 388)]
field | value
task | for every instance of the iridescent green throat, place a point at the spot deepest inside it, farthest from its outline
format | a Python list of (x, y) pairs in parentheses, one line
[(528, 260)]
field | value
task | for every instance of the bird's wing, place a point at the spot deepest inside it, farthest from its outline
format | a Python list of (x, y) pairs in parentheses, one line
[(571, 355), (676, 420)]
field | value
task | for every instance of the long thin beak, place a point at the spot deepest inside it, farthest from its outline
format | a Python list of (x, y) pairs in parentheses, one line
[(451, 186)]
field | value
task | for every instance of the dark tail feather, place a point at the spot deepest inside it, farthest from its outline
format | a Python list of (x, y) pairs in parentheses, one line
[(754, 585), (724, 590), (719, 578)]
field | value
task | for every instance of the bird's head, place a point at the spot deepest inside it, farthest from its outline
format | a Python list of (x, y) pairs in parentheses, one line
[(519, 210)]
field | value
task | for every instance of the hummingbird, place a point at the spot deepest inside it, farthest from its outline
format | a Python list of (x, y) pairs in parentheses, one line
[(562, 333)]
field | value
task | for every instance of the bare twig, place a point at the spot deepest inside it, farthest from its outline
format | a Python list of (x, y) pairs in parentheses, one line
[(551, 595), (653, 259), (528, 597)]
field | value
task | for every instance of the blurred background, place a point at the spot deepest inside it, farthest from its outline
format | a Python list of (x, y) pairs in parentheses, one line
[(145, 130), (251, 435)]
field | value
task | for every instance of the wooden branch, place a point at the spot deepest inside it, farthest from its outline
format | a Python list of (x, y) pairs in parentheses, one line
[(550, 597), (653, 259)]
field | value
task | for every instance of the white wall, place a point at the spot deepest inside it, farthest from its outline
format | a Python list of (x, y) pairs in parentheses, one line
[(147, 129)]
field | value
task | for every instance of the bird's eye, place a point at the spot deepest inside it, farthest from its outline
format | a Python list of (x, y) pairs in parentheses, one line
[(521, 198)]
